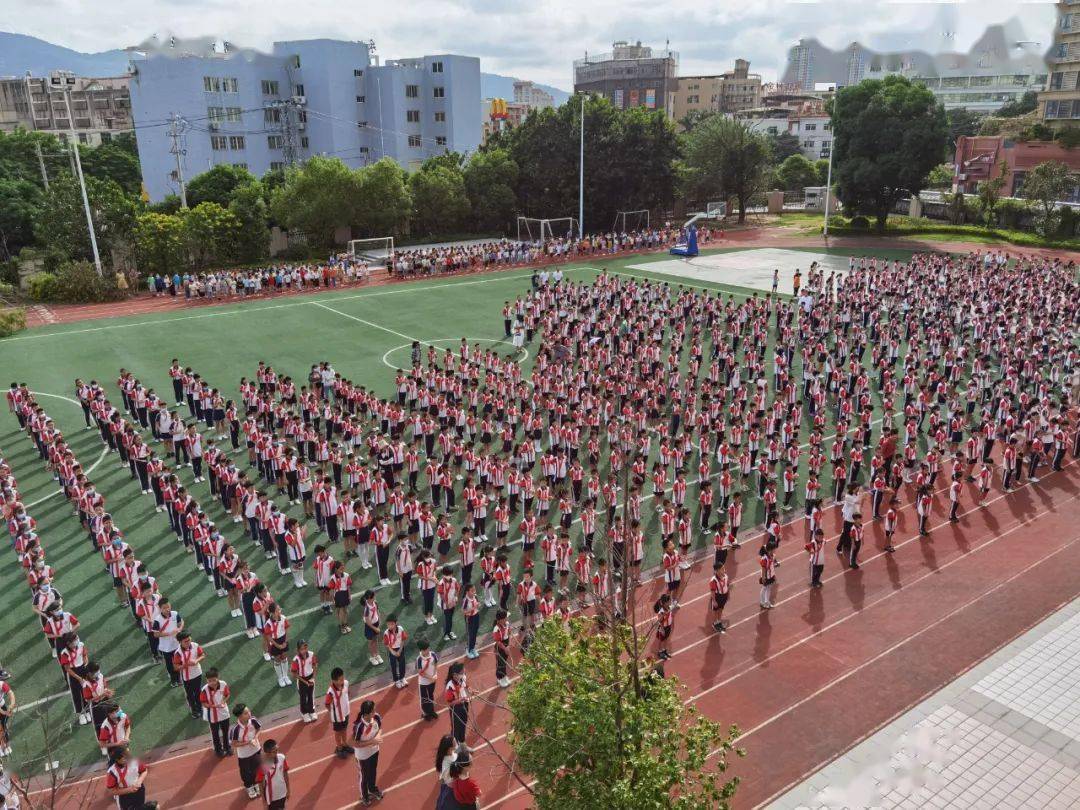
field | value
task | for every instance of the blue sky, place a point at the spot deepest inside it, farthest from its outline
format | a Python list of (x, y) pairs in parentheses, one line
[(539, 39)]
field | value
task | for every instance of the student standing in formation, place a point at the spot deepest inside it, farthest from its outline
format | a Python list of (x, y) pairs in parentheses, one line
[(367, 738), (457, 698), (815, 549), (500, 637), (304, 666), (214, 698), (244, 737), (337, 702), (856, 540), (767, 560), (719, 587), (187, 660), (394, 637), (274, 776), (890, 529), (371, 627), (427, 664), (126, 780)]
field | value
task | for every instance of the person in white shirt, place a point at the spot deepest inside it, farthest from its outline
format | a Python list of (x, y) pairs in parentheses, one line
[(244, 737), (367, 738)]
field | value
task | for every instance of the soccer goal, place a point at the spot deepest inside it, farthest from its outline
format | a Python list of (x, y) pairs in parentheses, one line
[(716, 210), (532, 229), (630, 221), (377, 250)]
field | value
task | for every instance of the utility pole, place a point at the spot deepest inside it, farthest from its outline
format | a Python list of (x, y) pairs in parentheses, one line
[(82, 180), (41, 165), (581, 175), (828, 187), (174, 133)]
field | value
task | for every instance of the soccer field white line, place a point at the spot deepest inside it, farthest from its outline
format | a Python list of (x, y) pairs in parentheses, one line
[(431, 341), (87, 471), (361, 320), (817, 634)]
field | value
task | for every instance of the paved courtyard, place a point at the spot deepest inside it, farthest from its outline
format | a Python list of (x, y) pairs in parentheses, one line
[(1004, 735)]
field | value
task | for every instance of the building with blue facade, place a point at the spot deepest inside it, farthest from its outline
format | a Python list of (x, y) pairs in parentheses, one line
[(197, 104)]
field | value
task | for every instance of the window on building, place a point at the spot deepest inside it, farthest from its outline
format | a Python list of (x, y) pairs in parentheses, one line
[(412, 116), (809, 127), (440, 117), (361, 99), (808, 143), (436, 67), (827, 127), (271, 115), (1055, 80), (237, 142), (230, 85), (269, 87), (301, 116), (234, 115), (304, 142), (240, 165), (275, 141), (106, 137), (215, 114), (439, 92), (414, 141), (296, 62), (364, 150), (1051, 109), (440, 140), (826, 149), (219, 143), (358, 73), (276, 166), (211, 84), (299, 90), (412, 91)]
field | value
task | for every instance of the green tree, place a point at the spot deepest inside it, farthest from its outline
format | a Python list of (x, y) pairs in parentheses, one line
[(440, 203), (384, 205), (693, 118), (1068, 136), (595, 728), (217, 184), (1027, 103), (20, 204), (1047, 184), (248, 205), (961, 122), (941, 176), (490, 177), (796, 173), (317, 198), (113, 160), (19, 160), (888, 135), (783, 146), (629, 160), (821, 166), (725, 157), (210, 234), (160, 243), (61, 226), (989, 192)]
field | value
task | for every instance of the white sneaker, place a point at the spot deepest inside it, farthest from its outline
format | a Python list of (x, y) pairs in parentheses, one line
[(430, 620), (504, 682), (284, 682), (372, 660), (237, 613), (266, 657), (300, 584), (365, 565), (685, 566), (220, 591), (253, 792), (384, 582), (83, 719), (209, 577)]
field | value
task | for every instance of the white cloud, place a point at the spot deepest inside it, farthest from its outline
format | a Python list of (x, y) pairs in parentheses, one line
[(537, 40)]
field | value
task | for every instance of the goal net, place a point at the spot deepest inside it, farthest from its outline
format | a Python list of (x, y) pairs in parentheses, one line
[(716, 210), (630, 221), (532, 229), (379, 250)]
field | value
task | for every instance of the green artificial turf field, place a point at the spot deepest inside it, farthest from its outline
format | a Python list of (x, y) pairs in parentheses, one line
[(364, 334)]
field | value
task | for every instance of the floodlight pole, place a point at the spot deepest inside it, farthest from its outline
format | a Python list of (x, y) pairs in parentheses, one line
[(581, 175), (82, 181), (828, 186)]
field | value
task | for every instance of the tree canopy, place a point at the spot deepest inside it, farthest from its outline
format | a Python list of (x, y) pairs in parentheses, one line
[(888, 135), (726, 158)]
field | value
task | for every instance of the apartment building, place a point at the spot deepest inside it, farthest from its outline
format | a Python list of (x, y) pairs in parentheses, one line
[(100, 107), (1059, 103)]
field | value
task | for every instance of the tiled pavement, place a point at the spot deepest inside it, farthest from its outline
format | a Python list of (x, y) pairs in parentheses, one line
[(1004, 735)]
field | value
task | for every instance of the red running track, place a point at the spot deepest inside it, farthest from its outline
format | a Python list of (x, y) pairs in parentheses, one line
[(842, 661)]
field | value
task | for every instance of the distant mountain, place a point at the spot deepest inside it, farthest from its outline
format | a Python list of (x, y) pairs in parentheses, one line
[(492, 85), (20, 53)]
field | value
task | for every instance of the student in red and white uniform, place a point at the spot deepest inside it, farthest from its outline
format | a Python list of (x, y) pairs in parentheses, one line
[(719, 588), (448, 590), (427, 665), (372, 626), (274, 776), (470, 610), (338, 712), (115, 729), (244, 736), (214, 698), (955, 489), (672, 571), (187, 660), (125, 779), (768, 562), (304, 666), (394, 638), (501, 634), (367, 739), (664, 609), (815, 550), (294, 543)]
